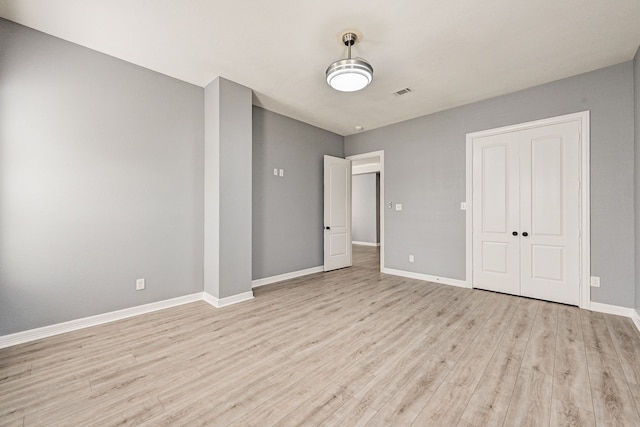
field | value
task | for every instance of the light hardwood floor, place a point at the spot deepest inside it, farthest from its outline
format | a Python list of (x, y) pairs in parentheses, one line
[(352, 347)]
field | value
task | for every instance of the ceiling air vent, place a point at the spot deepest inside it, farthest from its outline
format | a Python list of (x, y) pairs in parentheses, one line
[(402, 91)]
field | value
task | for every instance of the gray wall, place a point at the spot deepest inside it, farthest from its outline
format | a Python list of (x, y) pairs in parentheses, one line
[(211, 255), (365, 208), (636, 87), (101, 182), (425, 171), (235, 188), (287, 211)]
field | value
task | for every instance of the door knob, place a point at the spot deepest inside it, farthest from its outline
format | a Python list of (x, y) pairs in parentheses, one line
[(515, 233), (525, 234)]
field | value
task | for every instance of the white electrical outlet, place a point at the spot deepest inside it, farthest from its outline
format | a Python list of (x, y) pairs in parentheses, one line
[(463, 206), (139, 284), (410, 258), (398, 206), (275, 171), (281, 172), (595, 281)]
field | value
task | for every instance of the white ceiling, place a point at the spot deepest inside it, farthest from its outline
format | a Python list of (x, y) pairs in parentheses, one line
[(450, 52)]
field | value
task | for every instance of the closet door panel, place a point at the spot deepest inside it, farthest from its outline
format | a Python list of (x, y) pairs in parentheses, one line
[(549, 213), (495, 213)]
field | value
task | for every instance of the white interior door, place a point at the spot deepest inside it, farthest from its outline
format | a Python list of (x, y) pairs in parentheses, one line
[(337, 213), (495, 213), (550, 214), (526, 212)]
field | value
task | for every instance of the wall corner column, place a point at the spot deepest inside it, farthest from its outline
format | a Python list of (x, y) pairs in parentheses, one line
[(227, 192)]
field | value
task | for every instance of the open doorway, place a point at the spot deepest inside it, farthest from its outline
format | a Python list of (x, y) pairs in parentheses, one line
[(368, 206)]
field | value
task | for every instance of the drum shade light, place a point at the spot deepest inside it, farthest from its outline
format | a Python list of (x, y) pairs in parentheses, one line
[(349, 75)]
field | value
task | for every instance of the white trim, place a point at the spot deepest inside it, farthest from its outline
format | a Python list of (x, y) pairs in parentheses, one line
[(379, 154), (426, 277), (585, 244), (355, 242), (585, 209), (223, 302), (636, 319), (359, 170), (612, 309), (73, 325), (468, 211), (286, 276)]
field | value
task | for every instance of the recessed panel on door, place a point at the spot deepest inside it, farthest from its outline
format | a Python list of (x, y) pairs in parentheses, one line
[(495, 188), (338, 176), (494, 257), (547, 263), (547, 185), (338, 245)]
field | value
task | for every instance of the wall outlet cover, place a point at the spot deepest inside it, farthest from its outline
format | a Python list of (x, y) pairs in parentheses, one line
[(139, 284)]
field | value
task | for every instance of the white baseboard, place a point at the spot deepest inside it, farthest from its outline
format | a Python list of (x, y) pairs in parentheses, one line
[(612, 309), (99, 319), (426, 277), (617, 310), (365, 243), (636, 319), (286, 276), (223, 302)]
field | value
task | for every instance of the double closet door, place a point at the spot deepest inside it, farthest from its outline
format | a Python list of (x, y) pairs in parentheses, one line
[(526, 212)]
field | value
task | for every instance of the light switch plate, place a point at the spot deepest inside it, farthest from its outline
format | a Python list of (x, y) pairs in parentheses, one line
[(281, 172), (139, 284), (398, 206), (275, 171), (463, 206), (595, 281)]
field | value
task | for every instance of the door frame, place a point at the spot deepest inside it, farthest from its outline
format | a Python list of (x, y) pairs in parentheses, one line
[(584, 142), (379, 154)]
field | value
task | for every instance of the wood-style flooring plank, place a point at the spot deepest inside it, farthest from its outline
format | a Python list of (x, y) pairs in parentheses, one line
[(612, 400), (626, 341), (530, 402), (572, 404), (452, 397), (353, 413), (490, 400)]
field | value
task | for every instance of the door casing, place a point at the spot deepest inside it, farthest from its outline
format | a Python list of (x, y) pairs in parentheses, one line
[(380, 156)]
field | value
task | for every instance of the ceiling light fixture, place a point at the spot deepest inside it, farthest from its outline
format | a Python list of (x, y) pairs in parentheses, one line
[(349, 75)]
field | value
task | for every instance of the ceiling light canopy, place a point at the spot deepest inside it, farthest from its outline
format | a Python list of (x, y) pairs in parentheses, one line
[(349, 75)]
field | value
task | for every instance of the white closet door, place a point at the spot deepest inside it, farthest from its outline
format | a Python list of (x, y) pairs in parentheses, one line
[(526, 212), (549, 213), (495, 204)]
